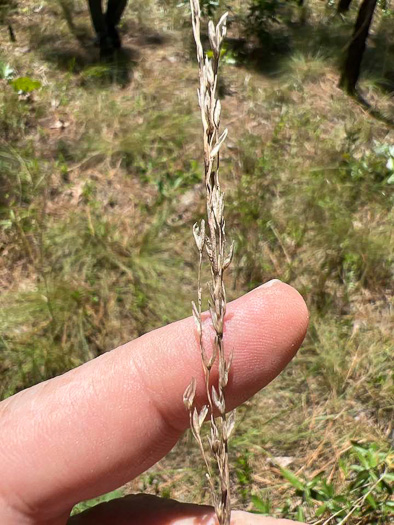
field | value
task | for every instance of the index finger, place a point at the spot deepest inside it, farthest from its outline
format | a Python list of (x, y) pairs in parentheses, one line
[(98, 426)]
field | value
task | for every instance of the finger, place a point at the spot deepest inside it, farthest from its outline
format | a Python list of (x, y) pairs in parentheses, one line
[(100, 425), (143, 509)]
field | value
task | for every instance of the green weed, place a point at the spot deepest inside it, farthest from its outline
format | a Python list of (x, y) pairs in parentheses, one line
[(365, 495)]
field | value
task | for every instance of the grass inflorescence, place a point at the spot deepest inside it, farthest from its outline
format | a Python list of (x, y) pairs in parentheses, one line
[(214, 244)]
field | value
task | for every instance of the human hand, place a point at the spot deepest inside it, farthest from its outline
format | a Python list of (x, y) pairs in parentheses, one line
[(96, 427)]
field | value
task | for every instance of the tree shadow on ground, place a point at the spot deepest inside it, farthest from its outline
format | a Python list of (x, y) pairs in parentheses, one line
[(77, 54), (373, 111), (266, 46), (115, 69), (267, 49)]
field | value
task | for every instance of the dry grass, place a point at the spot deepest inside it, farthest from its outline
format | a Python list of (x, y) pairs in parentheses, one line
[(215, 453)]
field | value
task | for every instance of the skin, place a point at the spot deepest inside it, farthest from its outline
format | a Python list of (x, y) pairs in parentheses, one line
[(96, 427)]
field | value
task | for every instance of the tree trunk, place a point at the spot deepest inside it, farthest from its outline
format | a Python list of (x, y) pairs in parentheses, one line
[(11, 33), (343, 6), (352, 65)]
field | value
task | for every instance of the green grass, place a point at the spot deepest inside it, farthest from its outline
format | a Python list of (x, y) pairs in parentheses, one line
[(95, 233)]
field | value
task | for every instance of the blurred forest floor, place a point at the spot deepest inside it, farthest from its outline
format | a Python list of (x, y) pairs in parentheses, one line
[(101, 177)]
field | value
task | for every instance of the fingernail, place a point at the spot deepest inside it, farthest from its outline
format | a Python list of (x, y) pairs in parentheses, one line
[(270, 283)]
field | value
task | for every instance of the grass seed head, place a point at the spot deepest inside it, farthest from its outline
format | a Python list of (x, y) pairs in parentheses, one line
[(214, 240)]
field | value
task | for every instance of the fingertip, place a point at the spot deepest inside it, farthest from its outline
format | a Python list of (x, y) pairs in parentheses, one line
[(295, 308)]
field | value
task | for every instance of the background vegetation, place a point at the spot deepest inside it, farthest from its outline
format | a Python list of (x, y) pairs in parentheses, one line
[(100, 188)]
